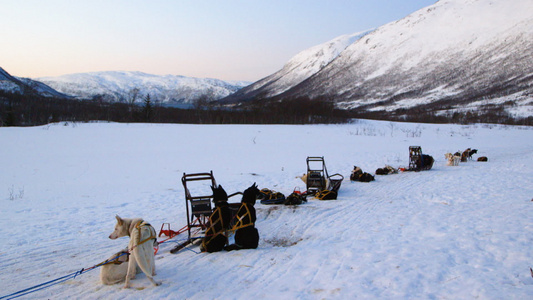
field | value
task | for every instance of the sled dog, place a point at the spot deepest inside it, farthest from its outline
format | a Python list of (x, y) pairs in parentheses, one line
[(115, 268), (452, 160), (141, 247)]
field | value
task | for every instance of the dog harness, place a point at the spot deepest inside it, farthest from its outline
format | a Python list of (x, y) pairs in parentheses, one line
[(150, 228), (243, 219), (217, 217), (211, 232), (116, 260)]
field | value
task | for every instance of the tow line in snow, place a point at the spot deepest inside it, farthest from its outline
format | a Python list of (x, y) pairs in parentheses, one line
[(73, 275), (44, 285)]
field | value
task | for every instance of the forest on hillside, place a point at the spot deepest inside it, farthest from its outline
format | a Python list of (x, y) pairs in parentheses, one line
[(32, 109)]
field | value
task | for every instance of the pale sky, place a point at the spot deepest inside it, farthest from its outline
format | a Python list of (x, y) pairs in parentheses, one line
[(223, 39)]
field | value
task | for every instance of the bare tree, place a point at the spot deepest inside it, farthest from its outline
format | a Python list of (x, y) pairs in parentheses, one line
[(133, 94)]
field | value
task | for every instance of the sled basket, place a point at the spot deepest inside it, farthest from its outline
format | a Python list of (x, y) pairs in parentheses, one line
[(417, 160), (316, 174), (198, 207), (335, 182)]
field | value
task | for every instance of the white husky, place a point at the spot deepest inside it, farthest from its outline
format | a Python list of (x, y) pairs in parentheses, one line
[(453, 160), (142, 240), (115, 268)]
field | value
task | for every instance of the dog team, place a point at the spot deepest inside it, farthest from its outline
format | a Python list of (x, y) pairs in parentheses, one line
[(454, 159), (139, 256)]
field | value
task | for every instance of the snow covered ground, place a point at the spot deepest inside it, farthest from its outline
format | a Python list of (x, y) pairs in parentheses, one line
[(449, 233)]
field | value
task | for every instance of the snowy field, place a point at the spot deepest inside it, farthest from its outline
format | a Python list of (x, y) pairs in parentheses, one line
[(461, 232)]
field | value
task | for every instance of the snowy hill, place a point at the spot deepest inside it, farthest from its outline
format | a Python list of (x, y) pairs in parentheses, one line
[(460, 232), (18, 85), (169, 90), (455, 54), (8, 83), (300, 67)]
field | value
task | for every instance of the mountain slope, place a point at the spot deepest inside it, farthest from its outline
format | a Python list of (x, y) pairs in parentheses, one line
[(21, 85), (300, 67), (460, 50), (116, 85), (8, 82), (454, 54)]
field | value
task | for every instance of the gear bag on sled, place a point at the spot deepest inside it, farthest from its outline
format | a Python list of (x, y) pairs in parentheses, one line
[(272, 197), (295, 198), (326, 195)]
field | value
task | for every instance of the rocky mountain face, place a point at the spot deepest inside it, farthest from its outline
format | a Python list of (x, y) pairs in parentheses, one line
[(451, 56)]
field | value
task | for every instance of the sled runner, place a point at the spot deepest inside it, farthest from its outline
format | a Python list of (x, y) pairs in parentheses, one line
[(317, 177)]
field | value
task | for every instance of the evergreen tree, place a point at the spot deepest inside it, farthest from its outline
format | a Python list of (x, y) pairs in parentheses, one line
[(147, 109)]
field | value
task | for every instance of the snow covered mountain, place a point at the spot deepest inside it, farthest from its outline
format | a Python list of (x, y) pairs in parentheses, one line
[(168, 90), (19, 85), (455, 54), (300, 67), (8, 82)]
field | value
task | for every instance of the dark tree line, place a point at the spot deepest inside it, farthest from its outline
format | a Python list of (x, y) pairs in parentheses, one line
[(31, 109), (488, 114)]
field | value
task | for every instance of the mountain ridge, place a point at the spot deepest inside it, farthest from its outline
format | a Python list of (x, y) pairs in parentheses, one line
[(21, 85), (170, 90), (300, 67), (452, 55)]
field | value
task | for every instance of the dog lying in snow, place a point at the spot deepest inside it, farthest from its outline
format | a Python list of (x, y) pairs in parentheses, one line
[(387, 170), (141, 247), (453, 160), (358, 175)]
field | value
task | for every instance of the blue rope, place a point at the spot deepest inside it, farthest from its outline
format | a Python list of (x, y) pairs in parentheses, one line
[(43, 285), (53, 282), (59, 280)]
